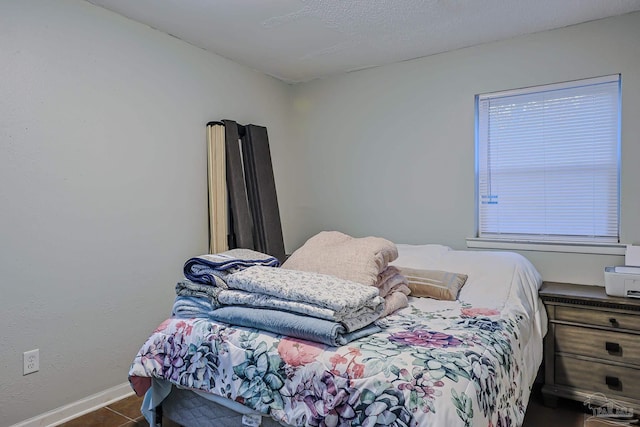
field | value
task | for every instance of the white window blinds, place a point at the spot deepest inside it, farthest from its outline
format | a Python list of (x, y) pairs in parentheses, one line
[(548, 162)]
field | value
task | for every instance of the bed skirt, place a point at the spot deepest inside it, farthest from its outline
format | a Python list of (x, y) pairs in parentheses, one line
[(190, 409)]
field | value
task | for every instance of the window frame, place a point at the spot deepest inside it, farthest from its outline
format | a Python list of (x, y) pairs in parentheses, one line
[(561, 244)]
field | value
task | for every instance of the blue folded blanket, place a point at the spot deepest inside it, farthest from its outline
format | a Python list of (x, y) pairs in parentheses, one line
[(291, 324), (212, 269), (188, 307), (276, 321)]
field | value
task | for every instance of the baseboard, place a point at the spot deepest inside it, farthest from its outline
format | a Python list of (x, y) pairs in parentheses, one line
[(83, 406)]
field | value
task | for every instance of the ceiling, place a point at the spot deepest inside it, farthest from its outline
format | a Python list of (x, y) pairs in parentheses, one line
[(302, 40)]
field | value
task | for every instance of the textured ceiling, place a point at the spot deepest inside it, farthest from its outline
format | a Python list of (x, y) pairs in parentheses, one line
[(301, 40)]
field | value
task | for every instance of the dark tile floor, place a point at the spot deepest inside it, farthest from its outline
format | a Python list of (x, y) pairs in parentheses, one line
[(567, 414), (126, 413)]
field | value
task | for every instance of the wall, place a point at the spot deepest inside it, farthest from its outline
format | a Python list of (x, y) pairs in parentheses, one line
[(102, 187), (390, 150), (102, 166)]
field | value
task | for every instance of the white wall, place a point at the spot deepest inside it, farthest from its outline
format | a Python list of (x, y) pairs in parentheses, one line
[(102, 187), (390, 151), (102, 169)]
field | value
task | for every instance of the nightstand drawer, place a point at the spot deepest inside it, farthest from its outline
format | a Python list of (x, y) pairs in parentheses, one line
[(593, 344), (598, 318), (617, 346), (597, 377)]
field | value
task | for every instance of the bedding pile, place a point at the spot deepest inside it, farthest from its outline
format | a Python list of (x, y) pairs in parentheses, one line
[(460, 363), (363, 260), (212, 269), (242, 287)]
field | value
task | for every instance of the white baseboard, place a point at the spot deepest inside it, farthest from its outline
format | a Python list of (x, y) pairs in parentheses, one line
[(83, 406)]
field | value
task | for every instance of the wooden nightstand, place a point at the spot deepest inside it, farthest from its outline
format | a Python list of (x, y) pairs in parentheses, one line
[(593, 345)]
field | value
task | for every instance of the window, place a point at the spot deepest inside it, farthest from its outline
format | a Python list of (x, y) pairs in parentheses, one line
[(548, 162)]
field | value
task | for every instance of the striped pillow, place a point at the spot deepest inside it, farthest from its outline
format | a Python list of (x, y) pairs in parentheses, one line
[(442, 285)]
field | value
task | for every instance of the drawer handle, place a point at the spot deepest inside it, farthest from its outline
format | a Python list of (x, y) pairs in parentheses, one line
[(613, 382), (614, 322), (612, 347)]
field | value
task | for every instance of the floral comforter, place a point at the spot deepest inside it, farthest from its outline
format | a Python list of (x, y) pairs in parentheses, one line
[(434, 363)]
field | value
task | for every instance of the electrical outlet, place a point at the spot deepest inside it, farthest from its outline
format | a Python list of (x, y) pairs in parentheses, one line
[(31, 361)]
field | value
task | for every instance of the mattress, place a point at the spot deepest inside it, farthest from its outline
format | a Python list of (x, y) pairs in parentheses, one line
[(457, 363)]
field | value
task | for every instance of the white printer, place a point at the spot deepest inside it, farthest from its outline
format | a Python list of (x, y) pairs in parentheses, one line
[(622, 281)]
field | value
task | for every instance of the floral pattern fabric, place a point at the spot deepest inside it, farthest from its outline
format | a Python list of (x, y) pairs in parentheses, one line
[(434, 363), (341, 296)]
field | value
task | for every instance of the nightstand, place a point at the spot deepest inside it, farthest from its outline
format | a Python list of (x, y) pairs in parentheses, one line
[(592, 347)]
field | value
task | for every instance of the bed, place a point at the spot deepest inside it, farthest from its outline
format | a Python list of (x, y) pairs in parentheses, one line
[(468, 362)]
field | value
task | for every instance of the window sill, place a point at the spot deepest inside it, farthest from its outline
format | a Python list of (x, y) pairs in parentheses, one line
[(567, 247)]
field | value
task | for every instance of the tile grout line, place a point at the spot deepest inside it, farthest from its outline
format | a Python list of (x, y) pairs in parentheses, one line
[(122, 415)]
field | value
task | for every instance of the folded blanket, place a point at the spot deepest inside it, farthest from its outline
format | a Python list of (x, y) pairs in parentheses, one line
[(356, 259), (390, 280), (393, 302), (343, 297), (188, 288), (291, 324), (211, 269), (186, 307), (357, 319)]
